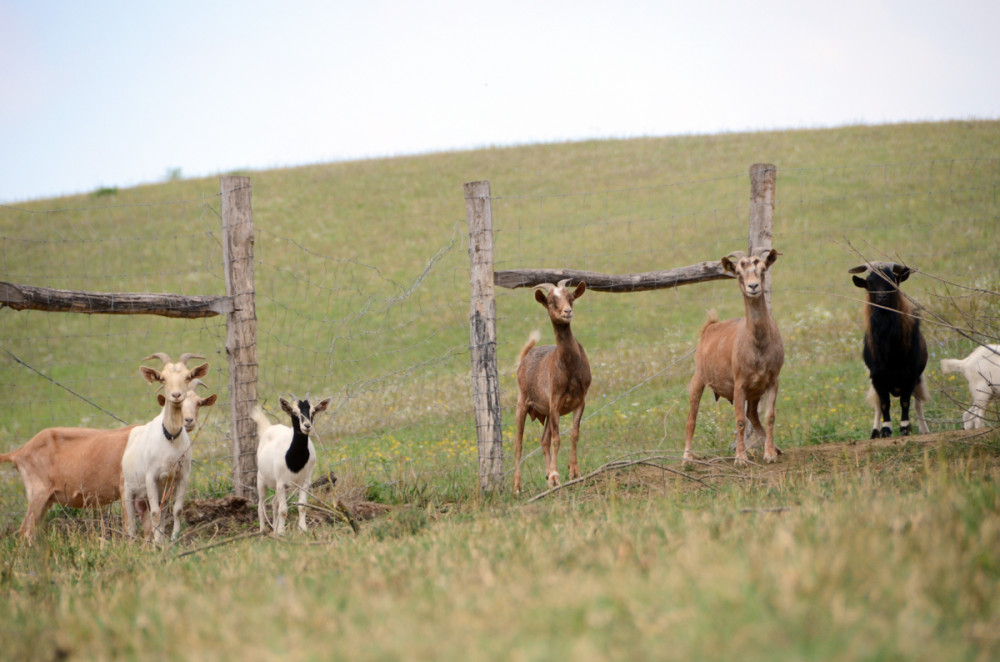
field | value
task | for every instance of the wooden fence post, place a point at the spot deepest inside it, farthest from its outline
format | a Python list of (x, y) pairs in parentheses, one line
[(241, 330), (483, 336), (763, 179)]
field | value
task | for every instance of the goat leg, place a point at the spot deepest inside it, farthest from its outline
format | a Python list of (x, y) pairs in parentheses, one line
[(739, 403), (574, 468), (550, 448), (904, 414), (695, 390), (771, 452)]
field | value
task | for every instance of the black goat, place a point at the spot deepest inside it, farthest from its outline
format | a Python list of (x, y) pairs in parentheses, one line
[(894, 349)]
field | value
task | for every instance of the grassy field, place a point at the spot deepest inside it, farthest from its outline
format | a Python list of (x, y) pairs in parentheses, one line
[(845, 549)]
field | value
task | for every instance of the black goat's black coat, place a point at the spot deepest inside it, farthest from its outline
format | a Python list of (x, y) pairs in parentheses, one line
[(894, 348)]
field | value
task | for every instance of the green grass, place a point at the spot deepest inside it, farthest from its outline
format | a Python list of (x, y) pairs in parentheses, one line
[(884, 551)]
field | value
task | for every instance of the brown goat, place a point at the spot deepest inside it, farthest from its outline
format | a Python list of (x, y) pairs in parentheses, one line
[(552, 380), (740, 359), (79, 467)]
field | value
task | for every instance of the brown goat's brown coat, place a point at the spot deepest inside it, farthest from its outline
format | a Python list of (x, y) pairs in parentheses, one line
[(75, 467), (740, 359), (552, 380)]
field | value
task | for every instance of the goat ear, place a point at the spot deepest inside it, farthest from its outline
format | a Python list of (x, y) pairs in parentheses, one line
[(769, 256), (580, 289), (200, 371), (727, 265), (286, 407), (152, 375), (902, 273), (542, 298), (209, 401), (162, 400), (322, 405), (860, 282)]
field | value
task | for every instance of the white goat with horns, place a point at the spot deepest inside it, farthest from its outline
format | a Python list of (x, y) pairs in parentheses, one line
[(158, 453)]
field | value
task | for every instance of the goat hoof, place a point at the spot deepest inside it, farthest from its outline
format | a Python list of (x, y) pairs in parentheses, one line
[(741, 460), (905, 432), (770, 458), (875, 434), (886, 432), (553, 480)]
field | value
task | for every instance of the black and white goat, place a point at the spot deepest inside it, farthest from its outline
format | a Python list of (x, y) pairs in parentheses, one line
[(285, 458), (894, 349)]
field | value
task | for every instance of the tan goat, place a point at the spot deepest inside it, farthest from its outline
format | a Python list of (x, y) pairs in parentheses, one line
[(740, 359), (79, 467), (552, 380)]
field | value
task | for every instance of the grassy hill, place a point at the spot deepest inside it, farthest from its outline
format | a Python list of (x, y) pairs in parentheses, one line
[(362, 293)]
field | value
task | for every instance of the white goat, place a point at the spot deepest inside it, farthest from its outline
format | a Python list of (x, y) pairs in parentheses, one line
[(79, 467), (740, 359), (552, 380), (285, 458), (981, 369), (158, 454)]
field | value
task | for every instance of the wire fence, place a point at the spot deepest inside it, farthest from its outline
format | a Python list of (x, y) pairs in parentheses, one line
[(388, 337)]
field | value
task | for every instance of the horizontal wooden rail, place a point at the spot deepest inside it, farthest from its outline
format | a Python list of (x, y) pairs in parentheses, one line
[(650, 280), (27, 297)]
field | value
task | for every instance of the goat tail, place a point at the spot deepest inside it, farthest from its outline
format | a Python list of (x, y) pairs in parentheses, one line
[(952, 365), (6, 457), (260, 419), (711, 317), (533, 339)]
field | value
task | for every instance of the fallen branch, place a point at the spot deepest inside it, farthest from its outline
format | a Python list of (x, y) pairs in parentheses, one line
[(615, 465), (220, 543)]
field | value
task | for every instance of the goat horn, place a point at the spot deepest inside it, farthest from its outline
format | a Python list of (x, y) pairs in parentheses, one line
[(548, 287), (186, 356), (736, 255), (195, 383), (159, 355), (858, 269), (564, 282)]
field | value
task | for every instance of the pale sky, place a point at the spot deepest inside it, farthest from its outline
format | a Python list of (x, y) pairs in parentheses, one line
[(120, 93)]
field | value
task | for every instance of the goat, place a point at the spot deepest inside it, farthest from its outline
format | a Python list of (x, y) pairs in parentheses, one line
[(740, 359), (552, 380), (981, 369), (158, 454), (894, 348), (79, 467), (285, 457)]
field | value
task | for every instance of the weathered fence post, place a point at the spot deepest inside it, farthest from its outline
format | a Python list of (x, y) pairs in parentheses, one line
[(483, 336), (241, 330), (763, 179)]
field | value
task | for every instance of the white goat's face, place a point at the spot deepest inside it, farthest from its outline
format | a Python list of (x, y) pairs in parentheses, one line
[(302, 412), (750, 270), (558, 300)]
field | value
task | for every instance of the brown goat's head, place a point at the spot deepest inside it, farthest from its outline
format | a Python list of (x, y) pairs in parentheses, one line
[(558, 299), (175, 378), (750, 270), (882, 282)]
